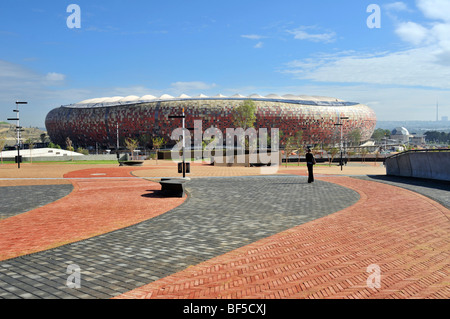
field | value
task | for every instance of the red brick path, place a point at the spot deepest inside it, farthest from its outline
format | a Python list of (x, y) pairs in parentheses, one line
[(405, 234), (95, 206)]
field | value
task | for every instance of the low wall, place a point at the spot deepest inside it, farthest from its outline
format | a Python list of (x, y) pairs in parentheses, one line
[(106, 157), (431, 165)]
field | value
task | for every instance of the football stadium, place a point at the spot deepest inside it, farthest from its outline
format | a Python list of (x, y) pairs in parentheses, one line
[(101, 121)]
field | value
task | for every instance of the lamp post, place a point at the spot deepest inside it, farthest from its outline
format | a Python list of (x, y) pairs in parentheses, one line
[(341, 146), (117, 138), (18, 130), (185, 167)]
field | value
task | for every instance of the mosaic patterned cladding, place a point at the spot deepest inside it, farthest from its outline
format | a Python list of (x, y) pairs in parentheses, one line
[(87, 124)]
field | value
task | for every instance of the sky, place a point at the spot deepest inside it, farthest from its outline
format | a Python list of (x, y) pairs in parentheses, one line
[(393, 56)]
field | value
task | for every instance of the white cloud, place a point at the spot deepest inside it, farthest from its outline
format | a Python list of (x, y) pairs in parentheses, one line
[(301, 34), (259, 45), (16, 79), (426, 63), (53, 77), (434, 35), (10, 71), (435, 9), (396, 6), (415, 67), (252, 36), (412, 32)]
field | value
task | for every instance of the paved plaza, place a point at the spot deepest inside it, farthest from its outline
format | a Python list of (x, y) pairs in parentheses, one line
[(237, 234)]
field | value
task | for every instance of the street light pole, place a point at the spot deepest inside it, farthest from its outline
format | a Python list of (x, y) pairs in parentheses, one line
[(341, 146), (184, 145), (117, 131), (18, 130), (184, 166)]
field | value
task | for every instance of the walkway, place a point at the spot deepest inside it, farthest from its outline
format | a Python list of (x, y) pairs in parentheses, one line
[(234, 237), (221, 215), (103, 200), (405, 234)]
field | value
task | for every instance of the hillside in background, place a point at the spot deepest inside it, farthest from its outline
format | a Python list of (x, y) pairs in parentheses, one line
[(418, 127), (8, 131)]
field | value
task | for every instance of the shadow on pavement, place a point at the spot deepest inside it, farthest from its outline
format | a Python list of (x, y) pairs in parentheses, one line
[(434, 189)]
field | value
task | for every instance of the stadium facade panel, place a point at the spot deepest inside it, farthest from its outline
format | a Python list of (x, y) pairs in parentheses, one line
[(95, 122)]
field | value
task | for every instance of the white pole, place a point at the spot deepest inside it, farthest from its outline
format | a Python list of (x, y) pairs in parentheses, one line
[(117, 129), (184, 145)]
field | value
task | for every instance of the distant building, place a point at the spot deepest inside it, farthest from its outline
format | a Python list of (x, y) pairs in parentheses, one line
[(417, 139), (445, 119), (400, 134)]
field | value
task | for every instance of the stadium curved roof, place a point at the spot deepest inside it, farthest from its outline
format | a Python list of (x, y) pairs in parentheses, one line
[(133, 99)]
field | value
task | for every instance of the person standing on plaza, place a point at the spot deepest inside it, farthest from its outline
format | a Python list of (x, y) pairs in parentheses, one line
[(310, 162)]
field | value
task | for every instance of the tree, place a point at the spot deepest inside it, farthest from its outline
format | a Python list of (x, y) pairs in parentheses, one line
[(53, 145), (316, 150), (437, 137), (82, 151), (354, 137), (158, 142), (298, 137), (364, 153), (244, 116), (350, 154), (379, 134), (43, 137), (69, 146), (212, 143), (144, 140), (289, 147), (30, 143), (131, 145), (331, 153)]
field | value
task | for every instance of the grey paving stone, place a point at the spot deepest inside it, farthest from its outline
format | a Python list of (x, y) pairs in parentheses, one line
[(220, 215), (20, 199)]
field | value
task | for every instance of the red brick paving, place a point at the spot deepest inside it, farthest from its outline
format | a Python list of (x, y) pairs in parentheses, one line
[(95, 206), (405, 234)]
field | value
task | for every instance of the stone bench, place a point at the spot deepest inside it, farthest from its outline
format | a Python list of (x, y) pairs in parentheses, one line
[(173, 187), (131, 163)]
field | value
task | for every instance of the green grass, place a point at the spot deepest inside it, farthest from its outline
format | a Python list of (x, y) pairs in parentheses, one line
[(82, 162)]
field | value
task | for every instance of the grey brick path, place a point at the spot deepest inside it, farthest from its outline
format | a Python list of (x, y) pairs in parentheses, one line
[(221, 214), (20, 199), (434, 189)]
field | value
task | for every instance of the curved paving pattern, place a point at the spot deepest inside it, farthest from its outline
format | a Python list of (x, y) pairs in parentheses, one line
[(221, 215), (20, 199), (96, 206), (402, 233), (434, 189)]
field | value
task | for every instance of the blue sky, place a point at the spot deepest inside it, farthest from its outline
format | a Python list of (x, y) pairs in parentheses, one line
[(324, 47)]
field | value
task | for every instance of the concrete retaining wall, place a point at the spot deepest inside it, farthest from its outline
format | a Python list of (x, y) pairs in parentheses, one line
[(106, 157), (431, 165)]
